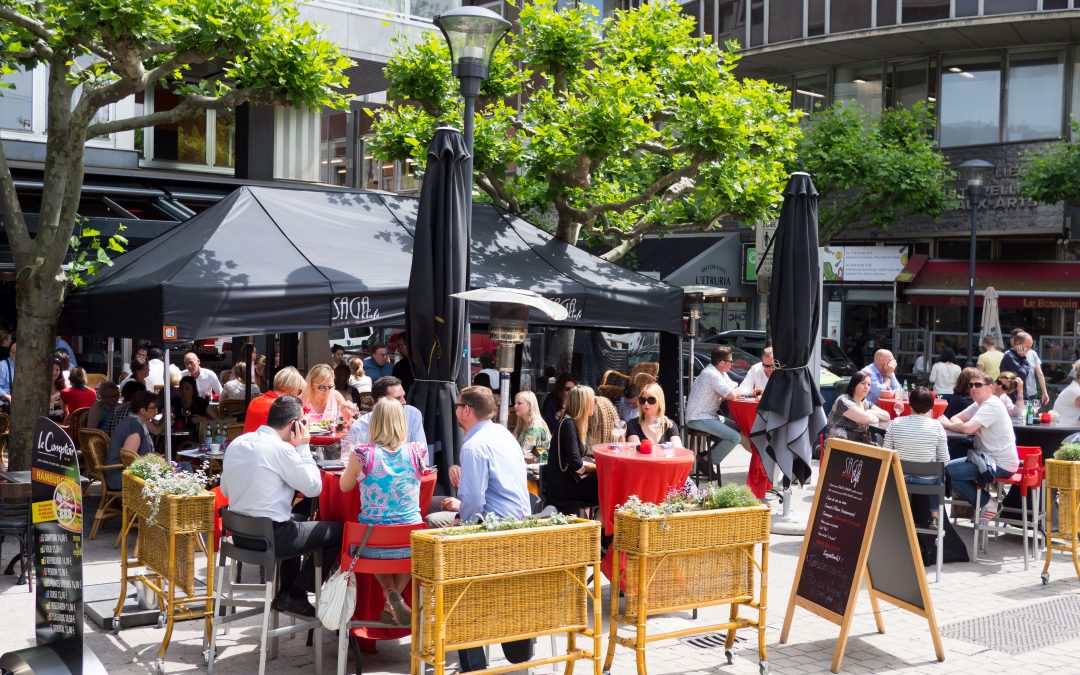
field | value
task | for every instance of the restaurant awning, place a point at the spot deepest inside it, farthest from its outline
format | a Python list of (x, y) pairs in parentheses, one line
[(1020, 285), (267, 260)]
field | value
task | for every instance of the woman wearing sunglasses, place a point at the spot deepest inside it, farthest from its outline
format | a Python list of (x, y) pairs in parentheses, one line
[(322, 402), (651, 423), (1007, 387)]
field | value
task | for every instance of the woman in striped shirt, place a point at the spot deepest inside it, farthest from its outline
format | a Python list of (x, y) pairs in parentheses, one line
[(920, 438)]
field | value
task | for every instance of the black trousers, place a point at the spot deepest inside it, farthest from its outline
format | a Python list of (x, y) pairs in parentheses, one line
[(293, 539), (515, 652)]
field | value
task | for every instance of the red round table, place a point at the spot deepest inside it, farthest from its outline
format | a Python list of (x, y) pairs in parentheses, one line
[(888, 405), (327, 439), (345, 507), (623, 471), (744, 411)]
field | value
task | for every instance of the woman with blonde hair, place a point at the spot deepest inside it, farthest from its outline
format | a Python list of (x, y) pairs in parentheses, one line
[(570, 481), (234, 388), (358, 379), (531, 430), (322, 402), (388, 471), (651, 423)]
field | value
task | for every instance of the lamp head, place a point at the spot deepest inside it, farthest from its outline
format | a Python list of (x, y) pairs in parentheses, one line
[(472, 34), (975, 173)]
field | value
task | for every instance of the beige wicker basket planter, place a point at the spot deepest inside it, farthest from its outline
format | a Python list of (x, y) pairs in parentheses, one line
[(486, 588), (1062, 478), (685, 561), (167, 549)]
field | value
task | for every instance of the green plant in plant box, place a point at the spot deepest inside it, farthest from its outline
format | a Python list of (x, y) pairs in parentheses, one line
[(1068, 452)]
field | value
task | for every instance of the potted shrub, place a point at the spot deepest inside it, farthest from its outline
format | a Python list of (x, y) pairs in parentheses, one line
[(1063, 471), (1063, 475), (505, 579), (695, 549)]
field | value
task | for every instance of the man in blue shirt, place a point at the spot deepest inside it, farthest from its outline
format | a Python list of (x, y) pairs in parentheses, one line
[(378, 364), (7, 377), (62, 345), (492, 480), (882, 374), (392, 387)]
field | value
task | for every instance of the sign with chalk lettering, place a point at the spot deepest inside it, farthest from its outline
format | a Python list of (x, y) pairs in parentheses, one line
[(56, 512), (860, 532)]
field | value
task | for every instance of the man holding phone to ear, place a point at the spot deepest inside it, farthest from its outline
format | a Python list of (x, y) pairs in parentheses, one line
[(262, 472)]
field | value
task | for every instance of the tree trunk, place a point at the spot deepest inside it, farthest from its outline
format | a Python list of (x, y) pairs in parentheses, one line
[(561, 349), (38, 298)]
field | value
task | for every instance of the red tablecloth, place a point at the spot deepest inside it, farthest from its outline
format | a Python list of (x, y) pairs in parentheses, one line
[(345, 507), (624, 472), (327, 439), (888, 405), (744, 412)]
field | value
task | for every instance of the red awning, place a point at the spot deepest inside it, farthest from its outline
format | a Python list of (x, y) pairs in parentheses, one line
[(912, 268), (1020, 285)]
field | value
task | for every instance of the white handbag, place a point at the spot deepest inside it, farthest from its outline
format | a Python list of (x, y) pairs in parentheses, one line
[(337, 599)]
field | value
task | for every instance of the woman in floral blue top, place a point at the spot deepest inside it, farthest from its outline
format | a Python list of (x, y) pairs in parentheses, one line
[(388, 470)]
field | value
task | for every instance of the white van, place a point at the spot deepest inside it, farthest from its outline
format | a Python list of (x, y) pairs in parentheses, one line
[(354, 339)]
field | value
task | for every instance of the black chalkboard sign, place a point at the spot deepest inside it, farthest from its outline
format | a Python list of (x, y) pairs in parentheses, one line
[(860, 532), (831, 560)]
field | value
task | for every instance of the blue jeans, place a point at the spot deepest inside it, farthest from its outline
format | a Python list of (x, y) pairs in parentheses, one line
[(931, 500), (717, 426), (964, 474)]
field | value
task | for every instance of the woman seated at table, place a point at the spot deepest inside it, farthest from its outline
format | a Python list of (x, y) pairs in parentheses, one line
[(918, 437), (108, 400), (651, 423), (1006, 387), (961, 398), (851, 414), (552, 409), (1067, 405), (530, 428), (570, 481), (78, 395), (342, 386), (944, 373), (322, 402), (189, 409), (233, 390), (358, 378), (59, 383), (388, 470), (133, 434)]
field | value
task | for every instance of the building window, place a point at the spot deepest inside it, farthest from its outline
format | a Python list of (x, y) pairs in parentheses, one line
[(207, 138), (757, 22), (1009, 6), (1034, 76), (859, 84), (732, 21), (785, 20), (907, 83), (810, 93), (967, 8), (886, 12), (333, 167), (17, 101), (692, 9), (914, 11), (849, 15), (1075, 109), (970, 100), (815, 17)]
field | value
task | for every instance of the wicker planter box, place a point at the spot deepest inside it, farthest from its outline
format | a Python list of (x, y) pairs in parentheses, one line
[(1062, 474), (1062, 490), (176, 514), (493, 587), (685, 561)]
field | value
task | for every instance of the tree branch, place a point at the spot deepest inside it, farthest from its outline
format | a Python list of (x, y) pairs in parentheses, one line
[(648, 193), (186, 106), (32, 26), (643, 227), (189, 58), (11, 211), (661, 150), (496, 188)]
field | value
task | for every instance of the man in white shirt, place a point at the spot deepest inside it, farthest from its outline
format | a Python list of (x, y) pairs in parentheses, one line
[(988, 420), (414, 419), (261, 475), (156, 378), (758, 375), (711, 388), (205, 380)]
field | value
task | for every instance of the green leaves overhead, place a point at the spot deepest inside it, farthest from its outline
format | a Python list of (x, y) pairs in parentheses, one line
[(622, 126), (1053, 175)]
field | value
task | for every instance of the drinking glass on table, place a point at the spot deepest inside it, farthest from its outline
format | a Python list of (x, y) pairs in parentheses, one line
[(618, 432), (898, 406)]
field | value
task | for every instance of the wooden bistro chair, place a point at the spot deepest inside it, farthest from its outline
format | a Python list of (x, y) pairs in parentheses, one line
[(95, 445), (613, 382), (76, 422), (5, 425), (231, 408), (94, 379)]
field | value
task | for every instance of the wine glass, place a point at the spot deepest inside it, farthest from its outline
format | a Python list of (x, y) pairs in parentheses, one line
[(618, 431), (898, 406)]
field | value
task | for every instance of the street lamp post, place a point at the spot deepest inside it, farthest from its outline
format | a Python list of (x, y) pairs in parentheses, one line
[(975, 173)]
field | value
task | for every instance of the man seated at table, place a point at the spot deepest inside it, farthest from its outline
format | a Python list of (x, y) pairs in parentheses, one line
[(287, 382), (758, 375), (261, 474), (492, 479), (711, 388), (882, 375), (378, 364), (628, 404), (7, 377), (205, 380), (388, 387), (989, 422)]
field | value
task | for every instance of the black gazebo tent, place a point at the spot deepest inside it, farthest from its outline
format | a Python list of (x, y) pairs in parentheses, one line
[(266, 260)]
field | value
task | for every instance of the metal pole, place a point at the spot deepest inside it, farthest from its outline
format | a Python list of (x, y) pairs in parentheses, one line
[(109, 363), (682, 392), (470, 88), (167, 389), (973, 197), (504, 397)]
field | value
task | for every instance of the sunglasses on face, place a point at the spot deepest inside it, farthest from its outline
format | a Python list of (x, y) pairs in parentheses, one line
[(976, 385), (651, 400), (324, 387)]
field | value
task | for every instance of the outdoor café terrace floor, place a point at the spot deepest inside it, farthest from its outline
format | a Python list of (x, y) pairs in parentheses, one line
[(998, 583)]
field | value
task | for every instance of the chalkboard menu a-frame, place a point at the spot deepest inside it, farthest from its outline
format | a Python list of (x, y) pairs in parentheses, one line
[(860, 528)]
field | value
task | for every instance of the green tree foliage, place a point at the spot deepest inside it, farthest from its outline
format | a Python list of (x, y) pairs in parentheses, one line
[(1053, 175), (611, 129), (874, 171), (99, 52)]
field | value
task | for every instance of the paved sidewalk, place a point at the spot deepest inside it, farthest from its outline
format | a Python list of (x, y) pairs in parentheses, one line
[(966, 590)]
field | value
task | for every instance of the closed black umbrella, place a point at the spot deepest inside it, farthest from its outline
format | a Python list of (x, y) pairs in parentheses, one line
[(434, 321), (790, 414)]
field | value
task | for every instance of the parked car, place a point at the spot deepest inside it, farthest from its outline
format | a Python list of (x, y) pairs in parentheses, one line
[(753, 341)]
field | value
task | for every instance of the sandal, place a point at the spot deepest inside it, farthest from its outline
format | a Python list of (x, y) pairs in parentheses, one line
[(398, 609)]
